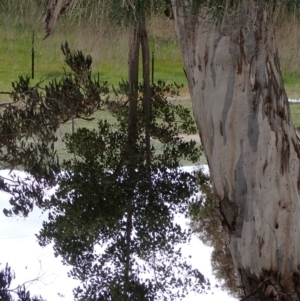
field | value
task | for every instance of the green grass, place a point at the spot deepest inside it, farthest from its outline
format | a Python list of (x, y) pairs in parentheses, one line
[(295, 112), (107, 45), (292, 85)]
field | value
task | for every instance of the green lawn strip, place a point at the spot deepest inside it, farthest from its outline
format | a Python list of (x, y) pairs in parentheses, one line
[(292, 85), (295, 112)]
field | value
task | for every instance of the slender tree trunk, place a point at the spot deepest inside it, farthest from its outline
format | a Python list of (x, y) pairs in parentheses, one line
[(133, 74), (146, 98), (133, 71), (244, 121)]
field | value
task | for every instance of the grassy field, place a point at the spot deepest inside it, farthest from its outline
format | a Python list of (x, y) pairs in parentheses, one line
[(108, 47)]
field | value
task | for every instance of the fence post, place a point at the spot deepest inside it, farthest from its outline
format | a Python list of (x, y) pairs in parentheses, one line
[(32, 56), (152, 69)]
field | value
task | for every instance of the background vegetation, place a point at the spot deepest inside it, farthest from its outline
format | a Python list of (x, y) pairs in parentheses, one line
[(92, 33), (88, 29), (106, 43)]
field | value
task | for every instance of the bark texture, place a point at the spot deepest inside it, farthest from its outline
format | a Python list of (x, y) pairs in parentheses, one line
[(242, 112)]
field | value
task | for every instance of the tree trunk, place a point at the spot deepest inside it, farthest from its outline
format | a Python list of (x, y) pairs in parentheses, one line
[(133, 72), (146, 99), (243, 116)]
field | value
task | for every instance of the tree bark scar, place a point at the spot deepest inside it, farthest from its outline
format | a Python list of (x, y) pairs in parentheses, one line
[(276, 61), (265, 166), (255, 86), (206, 56), (229, 213), (199, 63), (212, 138), (268, 106), (296, 147), (261, 243), (254, 104), (242, 56), (221, 128), (298, 183), (184, 71), (285, 154), (280, 112)]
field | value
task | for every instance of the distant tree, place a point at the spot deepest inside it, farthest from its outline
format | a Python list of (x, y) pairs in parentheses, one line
[(111, 196), (103, 202), (119, 193), (135, 204), (13, 294)]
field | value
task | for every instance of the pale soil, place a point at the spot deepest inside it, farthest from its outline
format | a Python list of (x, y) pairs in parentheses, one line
[(190, 137)]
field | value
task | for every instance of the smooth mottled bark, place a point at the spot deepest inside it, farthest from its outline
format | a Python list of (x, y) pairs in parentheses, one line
[(242, 112)]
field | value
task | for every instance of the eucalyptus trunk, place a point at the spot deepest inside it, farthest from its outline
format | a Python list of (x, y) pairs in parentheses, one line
[(242, 112)]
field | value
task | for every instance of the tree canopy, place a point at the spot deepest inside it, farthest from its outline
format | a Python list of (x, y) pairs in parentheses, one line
[(112, 217), (101, 205)]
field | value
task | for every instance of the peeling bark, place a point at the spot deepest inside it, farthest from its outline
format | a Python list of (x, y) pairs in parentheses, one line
[(242, 113)]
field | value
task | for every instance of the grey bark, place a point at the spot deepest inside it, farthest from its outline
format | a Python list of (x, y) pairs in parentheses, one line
[(242, 112)]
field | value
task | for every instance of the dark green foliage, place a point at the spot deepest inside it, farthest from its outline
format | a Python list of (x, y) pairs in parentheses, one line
[(7, 293), (112, 216), (28, 127), (115, 225)]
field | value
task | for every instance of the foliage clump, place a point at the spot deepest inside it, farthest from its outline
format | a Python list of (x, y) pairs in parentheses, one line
[(29, 125)]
